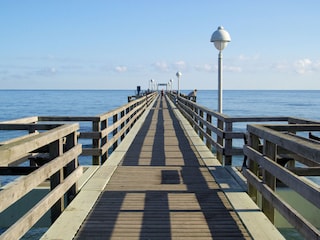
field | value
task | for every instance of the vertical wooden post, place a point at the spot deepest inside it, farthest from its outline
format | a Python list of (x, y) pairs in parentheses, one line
[(122, 124), (220, 141), (128, 119), (254, 142), (71, 141), (228, 145), (31, 160), (209, 120), (131, 113), (55, 150), (201, 124), (96, 143), (193, 116), (104, 140), (270, 150), (115, 131)]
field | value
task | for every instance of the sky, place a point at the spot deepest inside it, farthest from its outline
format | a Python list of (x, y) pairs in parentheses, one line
[(120, 44)]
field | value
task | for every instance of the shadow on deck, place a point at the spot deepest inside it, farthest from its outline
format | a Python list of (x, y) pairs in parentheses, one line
[(162, 190)]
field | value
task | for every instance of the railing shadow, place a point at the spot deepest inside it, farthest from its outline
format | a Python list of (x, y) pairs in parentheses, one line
[(155, 214)]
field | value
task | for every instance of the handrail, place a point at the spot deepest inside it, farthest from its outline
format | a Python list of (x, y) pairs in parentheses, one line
[(265, 150), (51, 146), (107, 130), (217, 129), (60, 166)]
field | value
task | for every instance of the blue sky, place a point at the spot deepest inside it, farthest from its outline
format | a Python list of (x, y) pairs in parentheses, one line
[(119, 44)]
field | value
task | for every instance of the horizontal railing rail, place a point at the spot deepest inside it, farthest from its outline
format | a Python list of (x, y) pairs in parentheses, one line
[(283, 151), (48, 152), (104, 131), (281, 154), (48, 147), (218, 130)]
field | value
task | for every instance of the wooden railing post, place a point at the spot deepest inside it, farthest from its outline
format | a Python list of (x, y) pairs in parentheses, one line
[(128, 119), (201, 124), (228, 145), (208, 131), (220, 141), (194, 113), (122, 114), (104, 140), (115, 131), (71, 141), (55, 150), (254, 142), (96, 143), (270, 150)]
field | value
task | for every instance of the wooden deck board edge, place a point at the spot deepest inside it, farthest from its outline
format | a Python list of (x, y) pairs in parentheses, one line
[(265, 229), (72, 218)]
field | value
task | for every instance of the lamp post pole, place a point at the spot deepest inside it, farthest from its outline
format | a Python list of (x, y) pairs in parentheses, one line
[(178, 74), (220, 38), (220, 81)]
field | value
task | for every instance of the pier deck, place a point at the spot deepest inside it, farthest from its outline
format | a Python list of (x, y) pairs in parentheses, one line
[(162, 182), (162, 190)]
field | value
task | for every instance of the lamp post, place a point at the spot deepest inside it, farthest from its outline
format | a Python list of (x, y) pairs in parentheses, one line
[(178, 74), (171, 84), (220, 38), (151, 82)]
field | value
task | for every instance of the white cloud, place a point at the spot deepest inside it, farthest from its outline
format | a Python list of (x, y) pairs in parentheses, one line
[(120, 69), (303, 66), (210, 68), (232, 69), (180, 65), (204, 68), (161, 66), (300, 66)]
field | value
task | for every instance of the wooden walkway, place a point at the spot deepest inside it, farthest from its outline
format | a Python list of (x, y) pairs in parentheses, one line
[(162, 190)]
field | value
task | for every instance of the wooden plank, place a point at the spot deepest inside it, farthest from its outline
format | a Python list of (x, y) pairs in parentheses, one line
[(304, 188), (10, 152), (292, 216), (33, 119), (296, 145), (18, 229), (72, 218), (22, 186), (28, 126), (68, 118), (18, 138), (160, 200)]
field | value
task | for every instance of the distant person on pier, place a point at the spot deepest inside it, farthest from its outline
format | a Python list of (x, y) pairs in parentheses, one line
[(193, 93)]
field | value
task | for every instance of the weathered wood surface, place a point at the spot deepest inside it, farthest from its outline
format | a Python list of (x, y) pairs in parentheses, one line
[(278, 139), (162, 190)]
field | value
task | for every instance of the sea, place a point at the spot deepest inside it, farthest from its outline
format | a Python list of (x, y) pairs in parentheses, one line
[(24, 103)]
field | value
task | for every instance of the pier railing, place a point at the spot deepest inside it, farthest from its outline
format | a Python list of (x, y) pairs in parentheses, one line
[(219, 131), (47, 152), (102, 133), (284, 155), (48, 147)]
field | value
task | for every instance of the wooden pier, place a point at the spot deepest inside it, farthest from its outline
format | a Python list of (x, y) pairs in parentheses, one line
[(162, 180), (162, 190)]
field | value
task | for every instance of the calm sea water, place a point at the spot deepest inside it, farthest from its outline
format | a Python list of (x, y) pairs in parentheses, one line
[(23, 103)]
